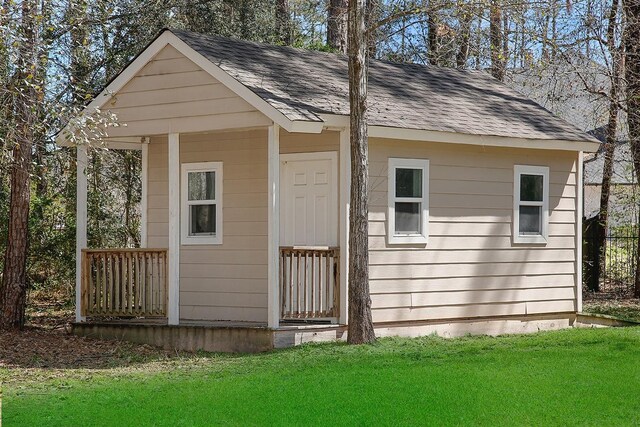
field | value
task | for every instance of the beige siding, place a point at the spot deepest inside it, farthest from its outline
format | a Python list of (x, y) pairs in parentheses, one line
[(172, 94), (228, 281), (470, 267), (309, 142)]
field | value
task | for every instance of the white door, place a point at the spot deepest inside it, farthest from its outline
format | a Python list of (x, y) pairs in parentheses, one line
[(309, 199)]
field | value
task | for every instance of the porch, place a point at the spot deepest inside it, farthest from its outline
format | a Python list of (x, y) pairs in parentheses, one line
[(259, 264)]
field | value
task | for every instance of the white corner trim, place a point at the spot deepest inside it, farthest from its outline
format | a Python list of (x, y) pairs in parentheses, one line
[(174, 230), (543, 238), (144, 202), (579, 213), (345, 200), (81, 222), (394, 238), (216, 167), (273, 219)]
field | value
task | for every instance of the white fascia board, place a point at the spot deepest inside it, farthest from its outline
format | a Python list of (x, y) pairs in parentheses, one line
[(334, 120)]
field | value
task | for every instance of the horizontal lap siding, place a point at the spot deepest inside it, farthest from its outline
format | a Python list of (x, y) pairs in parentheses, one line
[(173, 94), (228, 281), (309, 142), (470, 267)]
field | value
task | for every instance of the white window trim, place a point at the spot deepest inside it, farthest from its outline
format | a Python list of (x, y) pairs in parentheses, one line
[(530, 170), (184, 208), (423, 236)]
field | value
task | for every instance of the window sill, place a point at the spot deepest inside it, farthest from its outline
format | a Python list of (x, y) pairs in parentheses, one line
[(192, 241), (530, 240), (418, 239)]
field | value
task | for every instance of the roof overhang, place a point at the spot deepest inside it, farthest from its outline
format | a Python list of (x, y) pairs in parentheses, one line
[(325, 121), (168, 38), (389, 132)]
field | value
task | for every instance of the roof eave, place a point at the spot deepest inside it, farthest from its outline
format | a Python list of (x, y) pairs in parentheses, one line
[(390, 132)]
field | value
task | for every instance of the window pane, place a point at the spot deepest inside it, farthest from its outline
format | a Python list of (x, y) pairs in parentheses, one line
[(203, 220), (531, 188), (408, 182), (202, 185), (408, 218), (530, 220)]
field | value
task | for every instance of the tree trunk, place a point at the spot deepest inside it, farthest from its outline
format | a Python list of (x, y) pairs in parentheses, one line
[(371, 18), (609, 143), (337, 25), (283, 23), (495, 36), (13, 294), (432, 35), (80, 55), (360, 321), (632, 77), (466, 15)]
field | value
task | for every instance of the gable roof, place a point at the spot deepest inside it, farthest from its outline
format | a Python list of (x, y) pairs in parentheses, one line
[(305, 84), (304, 91)]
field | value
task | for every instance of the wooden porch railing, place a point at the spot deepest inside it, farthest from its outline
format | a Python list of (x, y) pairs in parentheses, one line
[(124, 282), (309, 282)]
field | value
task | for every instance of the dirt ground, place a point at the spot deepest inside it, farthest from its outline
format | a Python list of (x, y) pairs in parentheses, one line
[(616, 304), (45, 342)]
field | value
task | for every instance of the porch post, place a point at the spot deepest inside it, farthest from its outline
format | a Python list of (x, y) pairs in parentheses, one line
[(144, 178), (345, 196), (173, 300), (81, 222), (579, 214), (273, 218)]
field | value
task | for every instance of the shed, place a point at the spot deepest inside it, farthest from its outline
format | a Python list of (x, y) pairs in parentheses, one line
[(475, 202)]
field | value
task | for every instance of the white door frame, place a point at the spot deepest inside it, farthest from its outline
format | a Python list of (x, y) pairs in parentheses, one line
[(332, 156)]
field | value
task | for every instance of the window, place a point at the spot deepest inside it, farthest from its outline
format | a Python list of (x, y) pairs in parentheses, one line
[(201, 203), (408, 200), (530, 204)]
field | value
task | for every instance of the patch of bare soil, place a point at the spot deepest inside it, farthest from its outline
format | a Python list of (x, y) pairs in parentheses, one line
[(37, 347), (46, 342), (612, 303)]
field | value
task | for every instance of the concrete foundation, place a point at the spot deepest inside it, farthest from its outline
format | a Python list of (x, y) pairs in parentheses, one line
[(252, 338)]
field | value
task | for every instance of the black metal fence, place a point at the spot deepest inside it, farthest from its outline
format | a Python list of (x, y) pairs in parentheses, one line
[(616, 274)]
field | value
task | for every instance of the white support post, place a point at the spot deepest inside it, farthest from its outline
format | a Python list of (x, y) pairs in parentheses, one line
[(579, 210), (144, 177), (81, 222), (345, 197), (174, 230), (273, 217)]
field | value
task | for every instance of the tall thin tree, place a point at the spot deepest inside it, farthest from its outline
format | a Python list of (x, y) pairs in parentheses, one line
[(284, 31), (632, 77), (610, 136), (495, 40), (24, 93), (360, 320), (337, 25)]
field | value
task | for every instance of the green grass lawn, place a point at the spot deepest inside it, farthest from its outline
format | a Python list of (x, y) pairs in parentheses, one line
[(570, 377)]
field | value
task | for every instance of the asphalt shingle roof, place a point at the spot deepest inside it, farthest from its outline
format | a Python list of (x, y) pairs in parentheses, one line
[(303, 84)]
